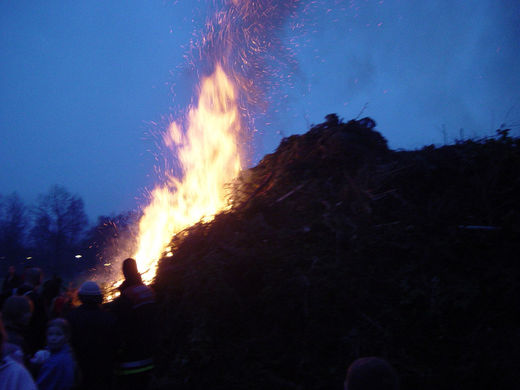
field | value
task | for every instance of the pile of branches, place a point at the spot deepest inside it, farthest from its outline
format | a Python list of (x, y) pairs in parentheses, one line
[(337, 247)]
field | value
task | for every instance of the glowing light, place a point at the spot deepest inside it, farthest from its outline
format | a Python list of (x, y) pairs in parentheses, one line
[(78, 256), (233, 48), (28, 258), (208, 152), (112, 295)]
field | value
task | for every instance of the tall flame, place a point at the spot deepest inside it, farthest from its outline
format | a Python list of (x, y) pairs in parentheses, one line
[(237, 39), (209, 157)]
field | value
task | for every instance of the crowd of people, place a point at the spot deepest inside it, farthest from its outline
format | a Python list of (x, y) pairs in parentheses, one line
[(61, 339), (55, 338)]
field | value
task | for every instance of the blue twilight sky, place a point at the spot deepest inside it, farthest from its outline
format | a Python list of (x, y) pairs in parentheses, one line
[(85, 85)]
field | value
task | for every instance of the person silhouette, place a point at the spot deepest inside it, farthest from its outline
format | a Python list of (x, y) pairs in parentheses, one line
[(93, 338), (135, 310)]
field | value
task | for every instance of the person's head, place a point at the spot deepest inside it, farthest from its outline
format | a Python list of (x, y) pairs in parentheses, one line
[(17, 311), (52, 287), (129, 267), (90, 293), (33, 276), (130, 270), (371, 373), (58, 334)]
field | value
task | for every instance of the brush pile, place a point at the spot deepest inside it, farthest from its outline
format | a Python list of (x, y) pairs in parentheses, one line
[(337, 247)]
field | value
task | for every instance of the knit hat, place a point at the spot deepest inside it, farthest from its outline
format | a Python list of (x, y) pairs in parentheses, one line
[(89, 288)]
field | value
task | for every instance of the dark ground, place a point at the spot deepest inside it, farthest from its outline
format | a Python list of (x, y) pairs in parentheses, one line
[(337, 247)]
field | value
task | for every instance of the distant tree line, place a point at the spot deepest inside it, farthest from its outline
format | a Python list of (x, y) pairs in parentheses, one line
[(54, 234)]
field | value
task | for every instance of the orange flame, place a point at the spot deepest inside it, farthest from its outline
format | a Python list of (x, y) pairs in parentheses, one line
[(239, 36), (209, 156)]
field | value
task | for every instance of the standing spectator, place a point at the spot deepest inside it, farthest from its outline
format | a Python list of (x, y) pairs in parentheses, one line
[(93, 338), (31, 288), (371, 373), (57, 368), (13, 375), (63, 303), (10, 284), (51, 289), (16, 314), (135, 311)]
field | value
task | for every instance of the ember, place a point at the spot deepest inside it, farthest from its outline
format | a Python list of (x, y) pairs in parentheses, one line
[(207, 144)]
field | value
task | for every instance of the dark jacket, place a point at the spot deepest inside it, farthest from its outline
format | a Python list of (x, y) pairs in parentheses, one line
[(93, 340), (35, 333), (11, 283), (135, 310), (58, 372)]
